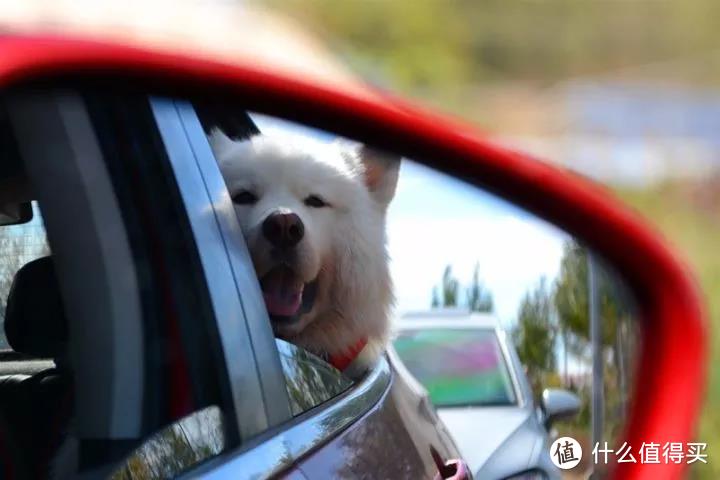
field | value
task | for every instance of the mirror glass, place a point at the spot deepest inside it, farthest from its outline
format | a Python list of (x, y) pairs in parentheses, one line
[(497, 333)]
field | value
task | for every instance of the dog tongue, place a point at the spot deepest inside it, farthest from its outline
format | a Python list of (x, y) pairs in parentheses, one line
[(282, 291)]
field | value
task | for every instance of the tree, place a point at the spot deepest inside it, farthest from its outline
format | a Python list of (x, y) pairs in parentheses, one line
[(615, 312), (572, 300), (435, 299), (478, 298), (450, 288), (534, 335)]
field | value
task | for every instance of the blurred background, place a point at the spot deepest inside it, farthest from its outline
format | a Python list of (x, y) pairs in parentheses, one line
[(625, 92)]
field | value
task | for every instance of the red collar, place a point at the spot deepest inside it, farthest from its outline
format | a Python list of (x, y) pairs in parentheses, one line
[(342, 361)]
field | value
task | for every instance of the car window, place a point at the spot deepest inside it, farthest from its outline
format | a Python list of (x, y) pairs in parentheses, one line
[(19, 244), (458, 367)]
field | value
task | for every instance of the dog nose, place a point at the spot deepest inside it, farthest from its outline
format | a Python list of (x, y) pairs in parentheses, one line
[(284, 230)]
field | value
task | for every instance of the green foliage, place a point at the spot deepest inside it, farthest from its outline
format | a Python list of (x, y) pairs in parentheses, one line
[(693, 227), (450, 288), (435, 299), (415, 45), (571, 298), (407, 43), (534, 336), (562, 311), (479, 299)]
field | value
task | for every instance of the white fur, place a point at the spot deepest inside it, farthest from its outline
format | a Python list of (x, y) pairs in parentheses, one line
[(344, 245)]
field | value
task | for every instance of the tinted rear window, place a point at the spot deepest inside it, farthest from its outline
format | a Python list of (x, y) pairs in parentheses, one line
[(458, 367)]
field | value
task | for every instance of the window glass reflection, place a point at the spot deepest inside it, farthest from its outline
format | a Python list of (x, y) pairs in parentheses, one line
[(181, 445), (309, 380)]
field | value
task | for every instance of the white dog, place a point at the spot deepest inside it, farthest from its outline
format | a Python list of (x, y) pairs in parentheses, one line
[(313, 216)]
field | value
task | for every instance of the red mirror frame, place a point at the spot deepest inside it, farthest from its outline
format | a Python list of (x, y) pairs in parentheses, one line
[(669, 385)]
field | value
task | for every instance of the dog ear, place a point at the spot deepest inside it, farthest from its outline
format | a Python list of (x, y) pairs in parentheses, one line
[(381, 171), (219, 142)]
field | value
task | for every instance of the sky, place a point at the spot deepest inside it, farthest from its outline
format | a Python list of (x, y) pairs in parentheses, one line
[(435, 220), (444, 221)]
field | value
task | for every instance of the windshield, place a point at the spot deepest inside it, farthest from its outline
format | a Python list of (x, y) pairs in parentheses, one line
[(457, 367)]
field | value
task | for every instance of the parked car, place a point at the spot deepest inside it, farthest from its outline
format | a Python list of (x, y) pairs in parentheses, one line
[(473, 376)]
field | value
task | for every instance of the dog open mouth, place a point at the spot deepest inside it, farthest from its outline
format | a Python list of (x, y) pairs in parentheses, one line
[(286, 296)]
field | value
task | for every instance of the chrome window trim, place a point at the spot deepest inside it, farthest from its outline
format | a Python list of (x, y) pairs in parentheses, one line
[(204, 206), (267, 358), (315, 428)]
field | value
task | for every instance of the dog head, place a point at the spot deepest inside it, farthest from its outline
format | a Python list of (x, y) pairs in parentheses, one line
[(313, 216)]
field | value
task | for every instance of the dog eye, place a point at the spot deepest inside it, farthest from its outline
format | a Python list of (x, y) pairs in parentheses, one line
[(316, 201), (244, 197)]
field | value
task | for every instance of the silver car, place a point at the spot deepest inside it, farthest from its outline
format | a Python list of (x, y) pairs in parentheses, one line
[(473, 376)]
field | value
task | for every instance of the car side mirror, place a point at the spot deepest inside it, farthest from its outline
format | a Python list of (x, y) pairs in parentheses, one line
[(666, 297), (559, 404)]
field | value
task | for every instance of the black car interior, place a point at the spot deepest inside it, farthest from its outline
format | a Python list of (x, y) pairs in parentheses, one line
[(37, 406)]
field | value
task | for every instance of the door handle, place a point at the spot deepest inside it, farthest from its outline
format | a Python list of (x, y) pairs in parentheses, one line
[(453, 469)]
